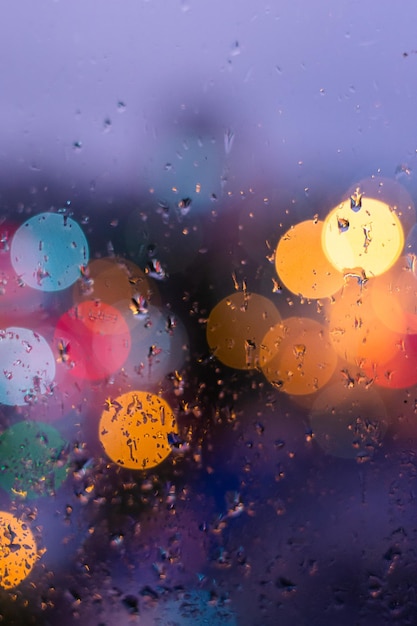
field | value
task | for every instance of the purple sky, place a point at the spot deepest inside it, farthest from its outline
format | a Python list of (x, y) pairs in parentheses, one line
[(325, 83)]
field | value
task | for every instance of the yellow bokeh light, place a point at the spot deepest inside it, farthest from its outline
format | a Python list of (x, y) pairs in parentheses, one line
[(302, 265), (18, 551), (134, 429), (236, 327), (297, 357), (390, 191), (368, 235)]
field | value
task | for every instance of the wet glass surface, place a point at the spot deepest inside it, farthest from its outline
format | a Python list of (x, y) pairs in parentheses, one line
[(208, 338)]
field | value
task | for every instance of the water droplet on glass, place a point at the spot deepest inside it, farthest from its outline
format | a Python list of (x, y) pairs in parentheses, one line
[(229, 138), (131, 604), (375, 587), (121, 107), (116, 540), (285, 584), (4, 242), (402, 171), (184, 206), (299, 351), (235, 51), (342, 224)]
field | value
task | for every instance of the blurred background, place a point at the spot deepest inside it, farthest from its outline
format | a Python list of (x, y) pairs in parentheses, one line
[(208, 338)]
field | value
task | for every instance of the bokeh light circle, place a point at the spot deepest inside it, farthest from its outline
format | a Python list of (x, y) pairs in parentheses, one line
[(369, 236), (389, 191), (27, 365), (394, 297), (33, 459), (302, 265), (357, 333), (135, 429), (95, 338), (18, 550), (400, 371), (236, 327), (297, 356), (112, 280), (48, 250)]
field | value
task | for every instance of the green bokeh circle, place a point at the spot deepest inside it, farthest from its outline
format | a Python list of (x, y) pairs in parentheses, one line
[(33, 460)]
